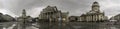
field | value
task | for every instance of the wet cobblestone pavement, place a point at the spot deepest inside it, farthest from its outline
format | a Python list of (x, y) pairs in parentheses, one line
[(70, 25)]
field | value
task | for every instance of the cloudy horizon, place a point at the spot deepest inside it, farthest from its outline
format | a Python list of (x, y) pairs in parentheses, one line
[(74, 7)]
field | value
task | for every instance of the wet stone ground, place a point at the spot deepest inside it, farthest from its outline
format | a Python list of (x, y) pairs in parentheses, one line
[(68, 25)]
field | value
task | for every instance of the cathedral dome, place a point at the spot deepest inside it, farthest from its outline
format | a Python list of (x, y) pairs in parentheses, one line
[(95, 4)]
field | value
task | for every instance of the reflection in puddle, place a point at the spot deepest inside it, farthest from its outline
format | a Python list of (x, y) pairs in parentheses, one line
[(77, 27), (70, 25), (111, 28), (4, 28)]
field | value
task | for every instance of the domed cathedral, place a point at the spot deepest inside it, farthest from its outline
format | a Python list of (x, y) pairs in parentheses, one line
[(94, 15), (51, 13)]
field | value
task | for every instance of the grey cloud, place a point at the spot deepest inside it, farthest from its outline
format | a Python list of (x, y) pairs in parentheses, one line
[(75, 7)]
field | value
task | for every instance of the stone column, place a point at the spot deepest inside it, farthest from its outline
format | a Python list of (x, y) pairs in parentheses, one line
[(90, 17), (93, 18), (86, 18), (96, 17)]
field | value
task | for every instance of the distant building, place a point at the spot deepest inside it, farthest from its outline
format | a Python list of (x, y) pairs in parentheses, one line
[(94, 15), (51, 13), (5, 18), (116, 17), (22, 20), (24, 17), (74, 18)]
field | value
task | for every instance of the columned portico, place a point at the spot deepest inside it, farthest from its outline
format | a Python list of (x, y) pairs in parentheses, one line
[(94, 14)]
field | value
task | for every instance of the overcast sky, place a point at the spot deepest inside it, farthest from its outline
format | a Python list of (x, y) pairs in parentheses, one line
[(74, 7)]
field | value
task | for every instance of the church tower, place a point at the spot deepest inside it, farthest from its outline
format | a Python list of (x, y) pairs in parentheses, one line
[(95, 6), (23, 13)]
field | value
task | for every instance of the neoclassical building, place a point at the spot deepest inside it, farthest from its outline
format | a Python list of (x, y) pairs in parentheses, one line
[(51, 13), (94, 15)]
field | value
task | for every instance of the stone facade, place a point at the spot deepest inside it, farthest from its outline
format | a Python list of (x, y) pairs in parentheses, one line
[(51, 13), (93, 15), (116, 17), (74, 18)]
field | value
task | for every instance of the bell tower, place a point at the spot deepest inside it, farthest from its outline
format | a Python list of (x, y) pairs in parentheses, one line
[(95, 6)]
